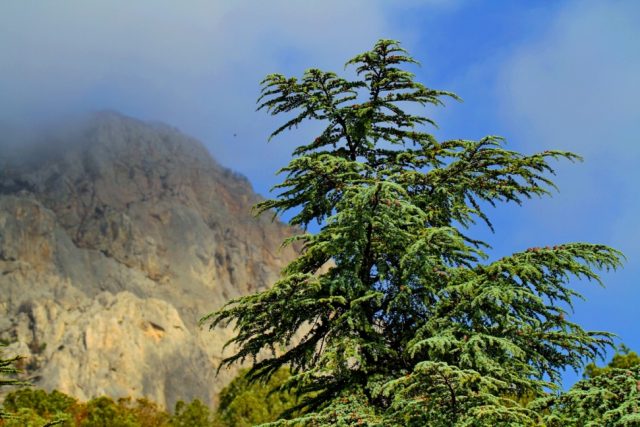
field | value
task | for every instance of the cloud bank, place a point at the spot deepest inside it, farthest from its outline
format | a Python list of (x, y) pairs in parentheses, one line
[(576, 88), (196, 64)]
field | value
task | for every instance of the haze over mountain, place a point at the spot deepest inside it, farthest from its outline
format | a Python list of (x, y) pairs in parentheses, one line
[(116, 236)]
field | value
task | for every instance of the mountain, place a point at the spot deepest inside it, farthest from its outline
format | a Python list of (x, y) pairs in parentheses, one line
[(116, 236)]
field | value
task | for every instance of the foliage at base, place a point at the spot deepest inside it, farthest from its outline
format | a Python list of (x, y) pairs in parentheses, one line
[(30, 407), (245, 403)]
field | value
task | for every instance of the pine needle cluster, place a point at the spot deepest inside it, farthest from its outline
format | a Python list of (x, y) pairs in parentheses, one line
[(8, 372)]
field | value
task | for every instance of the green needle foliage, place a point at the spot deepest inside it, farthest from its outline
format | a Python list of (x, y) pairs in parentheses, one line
[(391, 315), (623, 359), (8, 371), (608, 396), (606, 400)]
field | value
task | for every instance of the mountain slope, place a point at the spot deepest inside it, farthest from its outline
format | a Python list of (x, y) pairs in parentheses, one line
[(116, 236)]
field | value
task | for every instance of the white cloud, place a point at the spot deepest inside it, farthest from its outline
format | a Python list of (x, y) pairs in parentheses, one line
[(580, 83), (576, 89), (194, 64)]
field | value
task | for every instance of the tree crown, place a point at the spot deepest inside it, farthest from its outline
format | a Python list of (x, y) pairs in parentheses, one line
[(396, 304)]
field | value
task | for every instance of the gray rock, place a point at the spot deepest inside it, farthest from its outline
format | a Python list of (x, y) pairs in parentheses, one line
[(116, 236)]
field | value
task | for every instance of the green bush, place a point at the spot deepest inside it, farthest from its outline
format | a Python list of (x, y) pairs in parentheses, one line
[(104, 412), (39, 401), (244, 403), (35, 407), (194, 414), (623, 359)]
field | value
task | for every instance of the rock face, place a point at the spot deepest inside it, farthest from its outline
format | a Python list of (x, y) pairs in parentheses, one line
[(116, 236)]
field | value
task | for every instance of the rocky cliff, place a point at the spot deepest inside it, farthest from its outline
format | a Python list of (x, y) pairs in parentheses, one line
[(116, 236)]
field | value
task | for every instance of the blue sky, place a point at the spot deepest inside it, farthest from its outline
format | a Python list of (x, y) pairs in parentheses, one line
[(543, 74)]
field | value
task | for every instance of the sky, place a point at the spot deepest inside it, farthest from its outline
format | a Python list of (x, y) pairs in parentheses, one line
[(543, 74)]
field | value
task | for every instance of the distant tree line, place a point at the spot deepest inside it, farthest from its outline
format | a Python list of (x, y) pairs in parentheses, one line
[(244, 403)]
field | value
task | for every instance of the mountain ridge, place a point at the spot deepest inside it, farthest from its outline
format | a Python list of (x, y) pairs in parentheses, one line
[(117, 236)]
